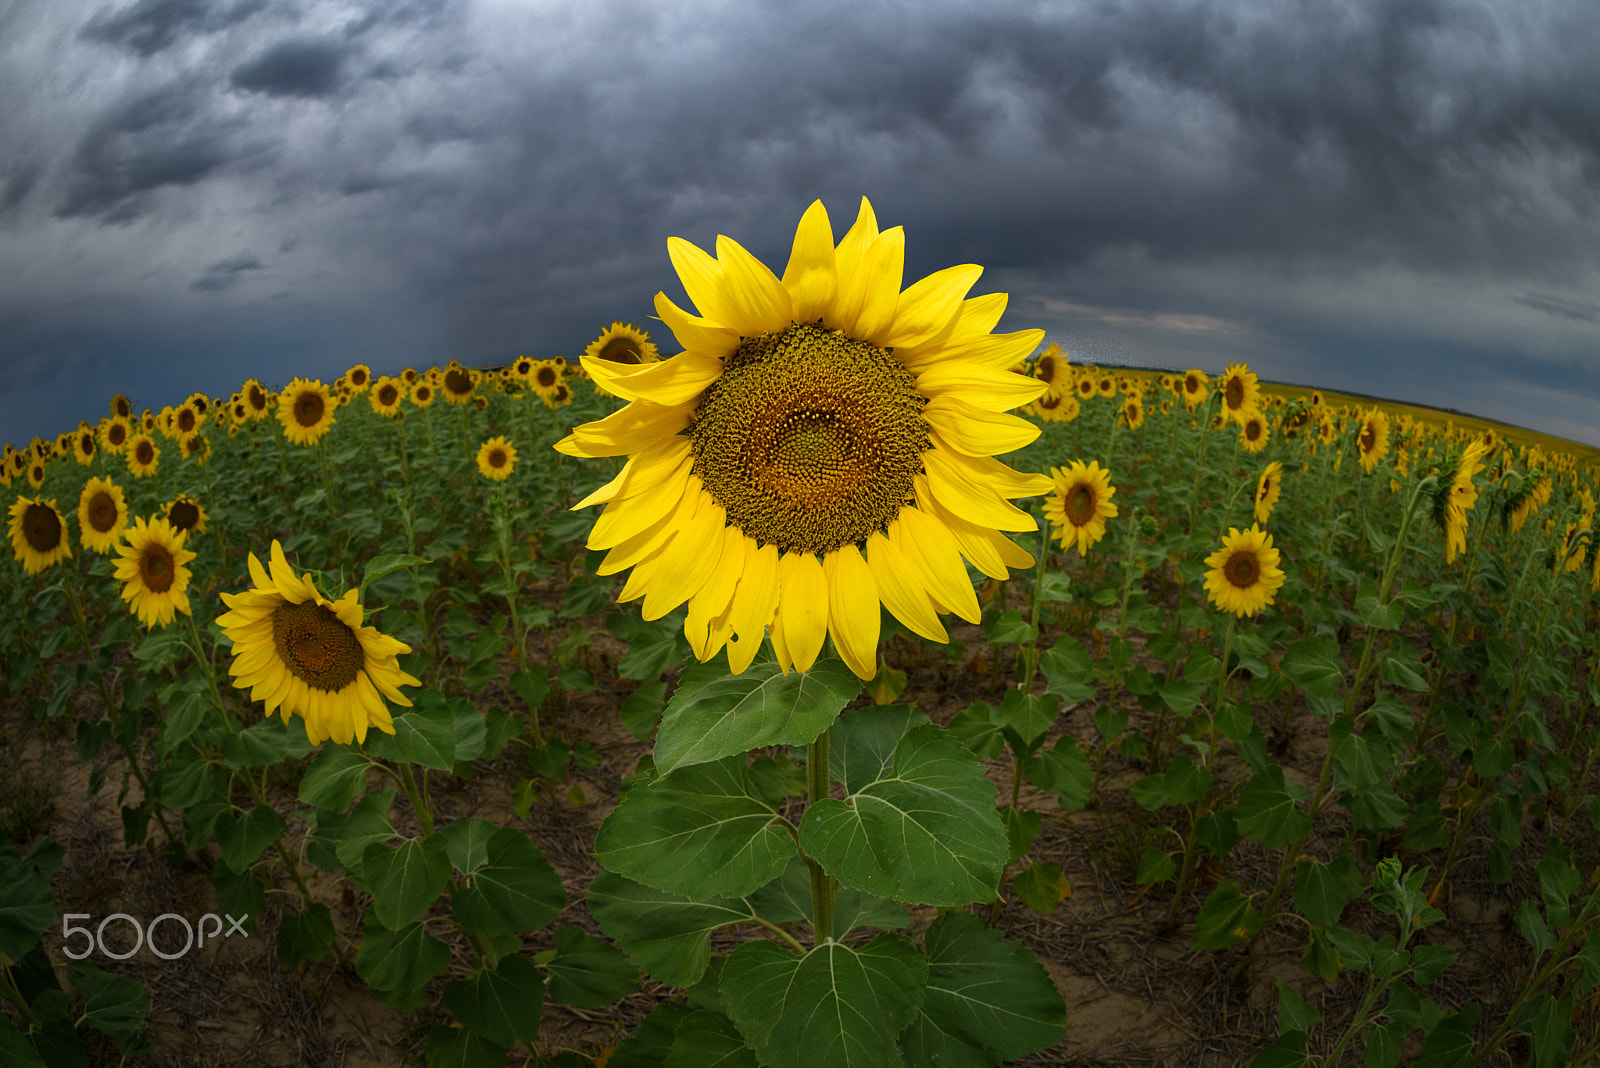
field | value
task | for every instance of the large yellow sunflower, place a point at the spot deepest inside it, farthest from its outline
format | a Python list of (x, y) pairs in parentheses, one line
[(1081, 504), (304, 655), (38, 534), (1268, 487), (102, 515), (1241, 395), (623, 343), (152, 571), (143, 455), (823, 443), (1374, 439), (1253, 432), (497, 458), (1462, 496), (305, 408), (1244, 576)]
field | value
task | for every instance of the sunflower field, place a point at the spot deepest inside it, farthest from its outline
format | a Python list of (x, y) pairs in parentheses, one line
[(742, 707)]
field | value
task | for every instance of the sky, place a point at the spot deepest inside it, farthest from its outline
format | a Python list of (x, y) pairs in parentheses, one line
[(1394, 197)]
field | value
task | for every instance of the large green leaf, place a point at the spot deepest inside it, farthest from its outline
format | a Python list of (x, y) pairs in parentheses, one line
[(1321, 891), (407, 879), (1315, 666), (1064, 770), (114, 1004), (400, 961), (516, 891), (988, 1001), (1226, 919), (787, 899), (27, 907), (709, 1040), (714, 714), (836, 1007), (1267, 813), (335, 777), (588, 972), (425, 735), (666, 934), (862, 744), (468, 842), (243, 838), (500, 1004), (701, 830), (926, 831), (348, 836)]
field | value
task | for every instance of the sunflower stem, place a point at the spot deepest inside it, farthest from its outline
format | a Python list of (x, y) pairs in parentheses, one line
[(1031, 659), (419, 805), (824, 887)]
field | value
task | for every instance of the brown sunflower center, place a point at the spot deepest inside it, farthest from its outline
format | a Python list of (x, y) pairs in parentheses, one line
[(1234, 393), (810, 440), (388, 395), (1079, 504), (257, 398), (118, 435), (497, 458), (121, 406), (1049, 402), (316, 646), (41, 527), (358, 377), (621, 350), (1369, 437), (185, 420), (183, 515), (86, 444), (1252, 430), (458, 382), (157, 569), (1047, 368), (308, 408), (547, 376), (102, 511), (423, 393), (1191, 384), (1242, 569), (1266, 488), (145, 452)]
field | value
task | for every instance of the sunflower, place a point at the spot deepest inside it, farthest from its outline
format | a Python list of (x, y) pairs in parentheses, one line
[(1052, 369), (85, 444), (457, 384), (384, 396), (102, 515), (186, 421), (305, 408), (1244, 576), (523, 367), (1241, 395), (810, 417), (545, 377), (195, 447), (152, 572), (1327, 431), (1081, 504), (1085, 386), (497, 458), (1533, 495), (185, 515), (304, 655), (359, 377), (1268, 487), (1133, 411), (562, 394), (143, 455), (121, 407), (1253, 433), (622, 343), (1574, 549), (36, 473), (422, 393), (38, 534), (1106, 384), (1373, 439), (255, 398), (1057, 407)]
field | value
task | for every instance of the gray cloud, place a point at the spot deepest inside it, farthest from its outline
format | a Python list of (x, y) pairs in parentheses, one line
[(305, 67), (224, 274), (150, 26)]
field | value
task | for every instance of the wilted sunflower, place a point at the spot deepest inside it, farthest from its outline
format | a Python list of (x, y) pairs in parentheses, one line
[(497, 458), (1244, 576), (622, 343), (1057, 407), (422, 393), (185, 514), (38, 534), (1268, 487), (385, 397), (1051, 369), (457, 384), (1133, 411), (1373, 439), (305, 408), (143, 455), (102, 515), (152, 571), (84, 446), (1241, 394), (823, 444), (305, 655), (1253, 433), (1080, 504)]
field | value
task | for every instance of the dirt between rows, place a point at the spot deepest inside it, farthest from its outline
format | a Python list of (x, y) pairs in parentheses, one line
[(1136, 995)]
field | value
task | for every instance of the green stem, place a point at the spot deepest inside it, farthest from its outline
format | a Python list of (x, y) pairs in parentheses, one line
[(824, 887), (408, 783), (1031, 654)]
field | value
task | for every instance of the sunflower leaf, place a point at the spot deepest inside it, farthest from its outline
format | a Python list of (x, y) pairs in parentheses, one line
[(667, 935), (380, 566)]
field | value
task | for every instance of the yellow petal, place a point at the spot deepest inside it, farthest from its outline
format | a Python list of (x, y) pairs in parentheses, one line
[(929, 545), (670, 382), (975, 319), (974, 502), (755, 301), (687, 562), (971, 430), (802, 607), (693, 331), (930, 305), (701, 276), (756, 598), (994, 391), (901, 589), (811, 277), (714, 597), (987, 471), (990, 551), (869, 296), (627, 430), (855, 242), (853, 609), (624, 519), (647, 542), (641, 473)]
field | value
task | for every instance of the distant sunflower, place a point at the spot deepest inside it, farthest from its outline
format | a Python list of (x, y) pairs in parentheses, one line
[(1253, 433), (36, 473), (359, 377), (1052, 369), (1133, 411), (185, 514), (823, 445), (456, 384), (143, 455), (304, 655), (38, 534), (102, 515), (255, 398), (622, 343), (152, 571), (1327, 430), (385, 397), (121, 408), (196, 447), (497, 458), (1573, 548), (1241, 393), (422, 393), (186, 421), (1373, 439), (1268, 487), (410, 377), (1244, 576), (1534, 495), (1080, 504), (305, 408), (545, 377), (1085, 387), (85, 445), (1106, 384), (562, 394), (523, 367), (114, 434), (1057, 407)]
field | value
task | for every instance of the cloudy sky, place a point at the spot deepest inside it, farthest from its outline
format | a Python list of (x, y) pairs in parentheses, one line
[(1397, 197)]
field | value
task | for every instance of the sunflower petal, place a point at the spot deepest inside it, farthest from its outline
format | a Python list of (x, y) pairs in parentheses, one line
[(972, 501), (994, 391), (975, 432), (756, 598), (811, 277), (643, 471), (627, 430), (693, 331), (867, 299), (931, 305), (853, 609), (701, 276), (713, 599), (901, 589), (687, 562), (669, 382), (756, 302), (623, 519), (931, 548), (803, 607)]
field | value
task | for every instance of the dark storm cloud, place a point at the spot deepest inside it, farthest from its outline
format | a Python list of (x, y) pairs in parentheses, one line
[(150, 26), (305, 67), (17, 187), (224, 274)]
